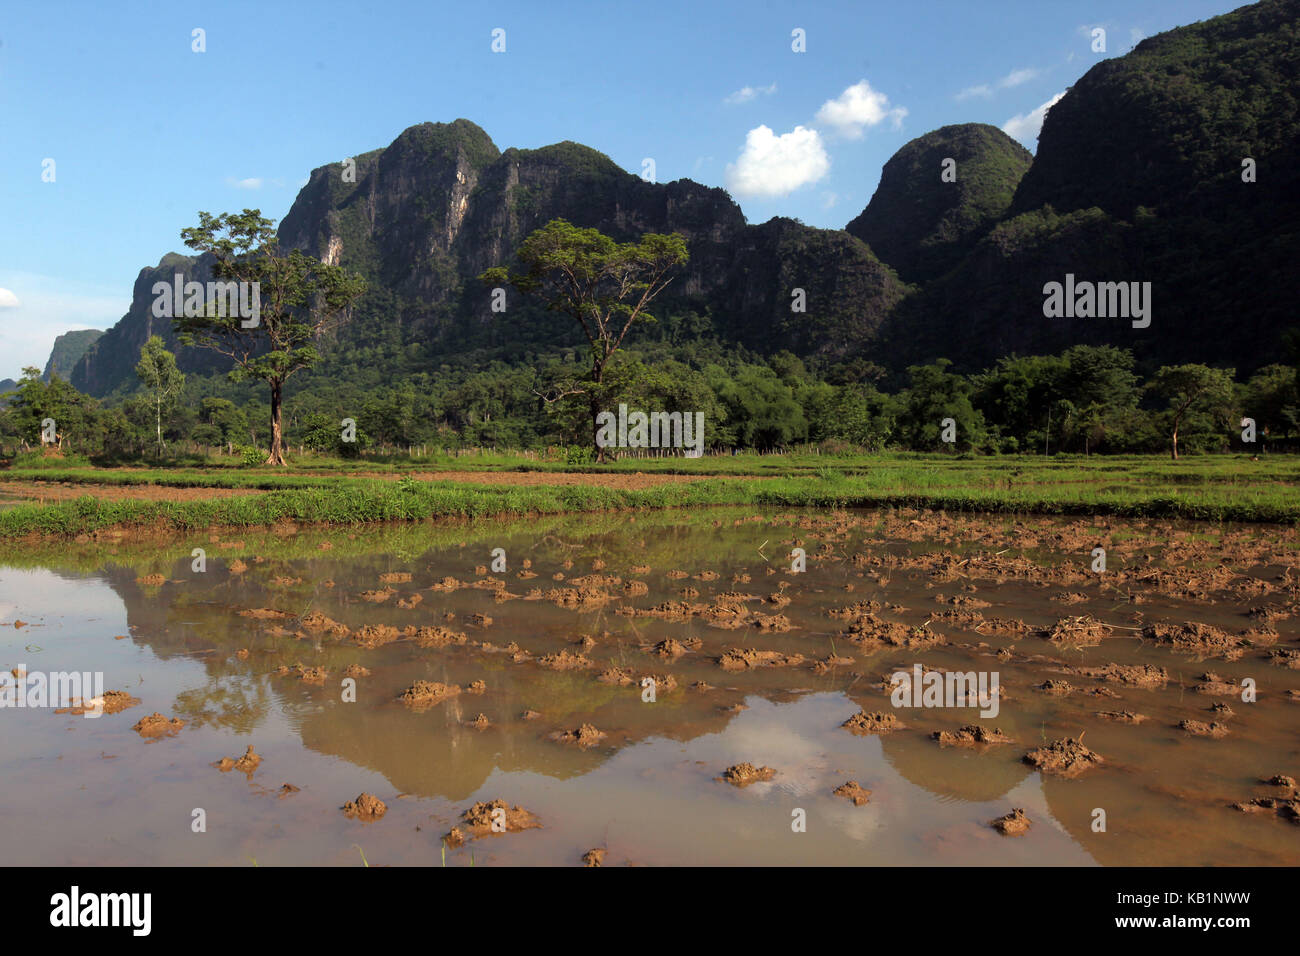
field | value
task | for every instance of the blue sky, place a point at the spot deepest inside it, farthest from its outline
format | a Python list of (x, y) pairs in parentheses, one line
[(143, 131)]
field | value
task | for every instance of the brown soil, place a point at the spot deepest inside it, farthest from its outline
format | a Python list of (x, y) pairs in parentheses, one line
[(1067, 757), (743, 774), (114, 702), (971, 735), (594, 857), (1199, 728), (423, 694), (1014, 823), (1193, 637), (873, 723), (585, 736), (366, 807), (247, 764), (739, 659), (41, 492), (1121, 716), (854, 792), (478, 820), (156, 725), (564, 661), (1132, 675), (375, 635)]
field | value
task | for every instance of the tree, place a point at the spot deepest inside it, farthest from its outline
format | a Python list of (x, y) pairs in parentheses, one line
[(1190, 389), (605, 286), (300, 298), (162, 379)]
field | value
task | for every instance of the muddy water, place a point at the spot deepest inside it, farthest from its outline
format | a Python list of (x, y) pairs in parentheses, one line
[(77, 790)]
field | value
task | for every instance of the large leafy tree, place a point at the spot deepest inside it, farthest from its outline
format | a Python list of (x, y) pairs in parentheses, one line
[(162, 380), (605, 286), (301, 298), (1193, 390)]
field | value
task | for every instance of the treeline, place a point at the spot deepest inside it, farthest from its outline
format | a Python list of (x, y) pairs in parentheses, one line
[(1087, 399)]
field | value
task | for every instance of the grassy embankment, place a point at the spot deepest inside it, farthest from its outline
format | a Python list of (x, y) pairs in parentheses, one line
[(1212, 488)]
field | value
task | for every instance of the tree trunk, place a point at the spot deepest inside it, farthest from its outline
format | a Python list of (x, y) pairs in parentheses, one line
[(1175, 444), (277, 432), (597, 373), (158, 423)]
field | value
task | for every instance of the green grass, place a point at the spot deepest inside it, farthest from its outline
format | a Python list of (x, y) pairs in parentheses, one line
[(1209, 488)]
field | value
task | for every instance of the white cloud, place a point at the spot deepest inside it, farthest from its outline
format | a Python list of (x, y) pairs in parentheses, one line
[(983, 90), (829, 199), (1026, 126), (8, 300), (251, 183), (1012, 79), (771, 165), (858, 107), (747, 93)]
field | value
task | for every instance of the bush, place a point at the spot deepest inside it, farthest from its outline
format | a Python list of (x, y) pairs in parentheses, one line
[(250, 456)]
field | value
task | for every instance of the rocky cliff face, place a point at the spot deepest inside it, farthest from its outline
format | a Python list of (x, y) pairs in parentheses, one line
[(424, 216), (68, 350)]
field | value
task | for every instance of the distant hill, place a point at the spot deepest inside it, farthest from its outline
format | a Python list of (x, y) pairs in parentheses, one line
[(68, 350), (922, 224)]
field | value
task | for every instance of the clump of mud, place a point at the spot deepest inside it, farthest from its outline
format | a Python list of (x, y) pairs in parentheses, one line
[(490, 818), (739, 659), (1056, 688), (366, 807), (317, 623), (156, 725), (1122, 716), (424, 694), (853, 791), (1014, 823), (1212, 683), (564, 661), (971, 735), (113, 702), (873, 723), (1286, 805), (1068, 758), (743, 774), (436, 636), (1193, 637), (830, 662), (594, 857), (375, 635), (395, 577), (356, 670), (1132, 675), (1199, 728), (585, 736), (1084, 631), (481, 722), (247, 764)]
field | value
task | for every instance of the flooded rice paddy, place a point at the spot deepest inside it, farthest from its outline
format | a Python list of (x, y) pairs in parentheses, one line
[(398, 664)]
